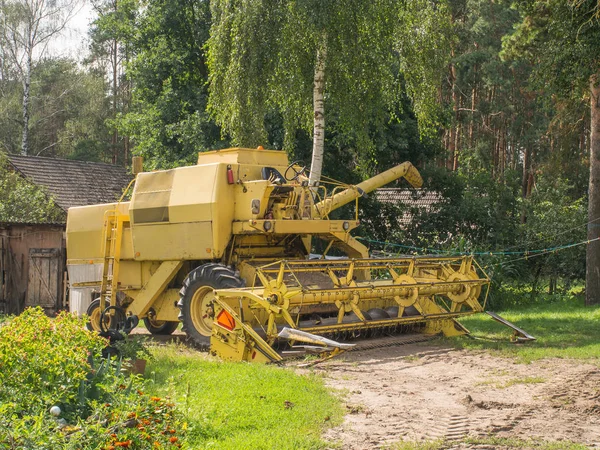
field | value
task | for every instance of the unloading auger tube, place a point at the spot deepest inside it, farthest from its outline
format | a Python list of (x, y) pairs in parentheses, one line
[(323, 298), (405, 170)]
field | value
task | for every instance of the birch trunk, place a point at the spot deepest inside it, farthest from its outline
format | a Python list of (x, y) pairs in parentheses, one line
[(592, 273), (316, 165), (26, 106)]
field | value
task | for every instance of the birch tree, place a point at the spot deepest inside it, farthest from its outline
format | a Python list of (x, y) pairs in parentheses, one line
[(342, 64), (28, 26)]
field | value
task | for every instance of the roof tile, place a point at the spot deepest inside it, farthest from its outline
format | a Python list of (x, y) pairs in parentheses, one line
[(74, 183)]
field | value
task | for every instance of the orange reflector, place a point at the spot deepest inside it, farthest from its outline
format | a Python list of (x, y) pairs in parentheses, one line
[(226, 320)]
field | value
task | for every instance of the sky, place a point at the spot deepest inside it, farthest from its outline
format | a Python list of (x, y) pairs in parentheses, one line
[(74, 40)]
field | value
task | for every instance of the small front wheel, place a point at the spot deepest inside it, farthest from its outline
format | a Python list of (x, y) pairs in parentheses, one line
[(160, 327), (93, 312)]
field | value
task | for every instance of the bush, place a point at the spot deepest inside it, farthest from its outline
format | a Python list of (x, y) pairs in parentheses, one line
[(57, 362)]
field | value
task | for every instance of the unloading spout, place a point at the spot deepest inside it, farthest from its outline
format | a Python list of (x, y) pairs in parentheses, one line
[(406, 170)]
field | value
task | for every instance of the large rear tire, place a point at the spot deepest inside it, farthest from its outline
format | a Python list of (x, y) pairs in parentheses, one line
[(196, 298), (160, 327)]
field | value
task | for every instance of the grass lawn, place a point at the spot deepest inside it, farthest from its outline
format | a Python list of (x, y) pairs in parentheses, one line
[(564, 329), (241, 405)]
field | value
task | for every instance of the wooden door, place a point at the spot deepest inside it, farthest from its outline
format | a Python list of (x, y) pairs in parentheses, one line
[(43, 287)]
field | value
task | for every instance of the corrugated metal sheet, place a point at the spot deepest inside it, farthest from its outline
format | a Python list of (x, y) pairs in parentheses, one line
[(424, 201)]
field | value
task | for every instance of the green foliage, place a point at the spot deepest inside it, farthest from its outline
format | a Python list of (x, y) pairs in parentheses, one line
[(22, 201), (44, 361), (562, 37), (48, 362), (241, 406), (552, 219), (262, 57), (68, 112), (168, 121), (133, 347)]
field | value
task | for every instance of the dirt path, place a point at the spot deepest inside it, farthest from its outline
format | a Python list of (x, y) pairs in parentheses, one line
[(421, 392)]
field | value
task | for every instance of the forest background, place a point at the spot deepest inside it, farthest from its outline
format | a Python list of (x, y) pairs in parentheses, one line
[(494, 101)]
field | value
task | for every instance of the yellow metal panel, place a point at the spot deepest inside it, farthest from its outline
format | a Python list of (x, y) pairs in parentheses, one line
[(302, 227), (222, 210), (84, 231), (151, 194), (165, 305), (192, 194), (159, 242), (245, 156), (244, 194), (130, 275), (154, 287)]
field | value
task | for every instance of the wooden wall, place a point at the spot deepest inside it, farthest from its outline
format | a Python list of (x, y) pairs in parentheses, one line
[(32, 267)]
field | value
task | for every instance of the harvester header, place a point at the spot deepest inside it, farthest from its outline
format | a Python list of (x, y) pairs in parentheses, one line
[(223, 246)]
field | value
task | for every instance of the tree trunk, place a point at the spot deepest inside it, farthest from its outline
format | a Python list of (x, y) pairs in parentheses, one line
[(453, 126), (26, 106), (592, 272), (457, 136), (473, 105), (115, 80), (319, 117), (525, 177)]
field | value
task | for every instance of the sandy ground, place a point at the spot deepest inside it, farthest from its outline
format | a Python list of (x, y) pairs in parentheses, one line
[(420, 392)]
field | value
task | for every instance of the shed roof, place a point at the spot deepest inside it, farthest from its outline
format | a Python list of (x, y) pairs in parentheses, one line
[(71, 182)]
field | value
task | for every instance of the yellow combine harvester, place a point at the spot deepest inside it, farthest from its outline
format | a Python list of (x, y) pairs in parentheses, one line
[(224, 247)]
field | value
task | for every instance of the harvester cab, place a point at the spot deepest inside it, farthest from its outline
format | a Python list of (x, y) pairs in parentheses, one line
[(223, 246)]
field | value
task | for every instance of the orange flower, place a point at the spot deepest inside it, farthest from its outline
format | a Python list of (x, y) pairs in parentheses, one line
[(173, 439), (131, 414), (155, 399), (156, 444), (172, 431), (123, 444)]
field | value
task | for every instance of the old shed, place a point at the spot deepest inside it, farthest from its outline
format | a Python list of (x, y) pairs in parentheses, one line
[(32, 255)]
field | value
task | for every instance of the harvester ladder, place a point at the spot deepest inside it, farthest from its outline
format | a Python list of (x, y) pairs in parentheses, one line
[(111, 249)]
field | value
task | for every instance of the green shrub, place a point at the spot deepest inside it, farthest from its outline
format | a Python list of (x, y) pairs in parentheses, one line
[(43, 362), (48, 362)]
